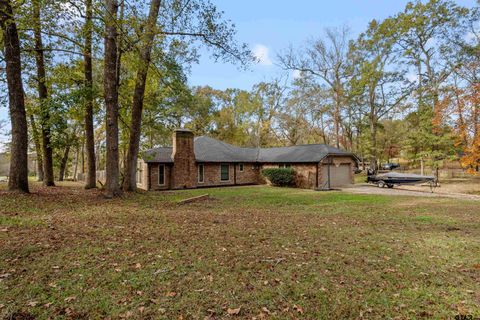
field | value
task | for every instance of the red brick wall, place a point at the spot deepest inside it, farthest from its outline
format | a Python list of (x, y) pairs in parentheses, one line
[(250, 174), (153, 169), (305, 174), (212, 175), (184, 173)]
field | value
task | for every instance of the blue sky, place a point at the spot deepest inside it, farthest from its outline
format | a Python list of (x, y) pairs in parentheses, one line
[(269, 26)]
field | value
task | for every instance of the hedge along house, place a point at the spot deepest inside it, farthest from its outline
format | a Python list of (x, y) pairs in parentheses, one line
[(194, 162)]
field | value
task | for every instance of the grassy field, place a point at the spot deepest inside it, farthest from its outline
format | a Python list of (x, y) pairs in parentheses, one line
[(248, 252)]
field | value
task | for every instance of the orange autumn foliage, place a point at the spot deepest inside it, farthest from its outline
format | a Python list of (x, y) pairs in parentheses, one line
[(471, 156)]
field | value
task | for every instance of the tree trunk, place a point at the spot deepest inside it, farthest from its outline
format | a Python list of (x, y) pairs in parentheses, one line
[(63, 163), (75, 168), (336, 117), (373, 151), (48, 178), (130, 183), (18, 176), (90, 179), (111, 99), (38, 148)]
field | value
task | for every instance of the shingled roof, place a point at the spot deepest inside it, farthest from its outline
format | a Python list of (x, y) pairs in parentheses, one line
[(211, 150)]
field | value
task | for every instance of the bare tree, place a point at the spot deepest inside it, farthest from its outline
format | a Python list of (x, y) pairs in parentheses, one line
[(328, 60)]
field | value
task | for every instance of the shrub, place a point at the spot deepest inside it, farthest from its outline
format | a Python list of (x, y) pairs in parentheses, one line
[(280, 176)]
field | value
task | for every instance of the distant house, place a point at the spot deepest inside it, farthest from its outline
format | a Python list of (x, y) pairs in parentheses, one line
[(194, 162)]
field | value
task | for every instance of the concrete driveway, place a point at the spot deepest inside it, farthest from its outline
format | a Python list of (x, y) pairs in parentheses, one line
[(415, 191)]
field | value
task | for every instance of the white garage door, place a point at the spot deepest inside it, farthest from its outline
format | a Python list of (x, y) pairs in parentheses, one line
[(339, 176)]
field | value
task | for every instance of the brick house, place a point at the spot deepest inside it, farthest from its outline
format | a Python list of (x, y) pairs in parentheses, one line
[(194, 162)]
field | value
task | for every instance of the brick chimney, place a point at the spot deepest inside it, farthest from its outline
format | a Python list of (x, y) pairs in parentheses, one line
[(184, 166)]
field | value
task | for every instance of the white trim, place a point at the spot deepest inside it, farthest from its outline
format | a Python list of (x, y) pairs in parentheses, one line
[(225, 164), (164, 174), (203, 173)]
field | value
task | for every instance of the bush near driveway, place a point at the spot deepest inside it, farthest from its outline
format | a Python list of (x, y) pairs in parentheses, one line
[(282, 177)]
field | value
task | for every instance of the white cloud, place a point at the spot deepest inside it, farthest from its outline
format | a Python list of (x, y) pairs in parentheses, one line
[(412, 77), (260, 52), (296, 74)]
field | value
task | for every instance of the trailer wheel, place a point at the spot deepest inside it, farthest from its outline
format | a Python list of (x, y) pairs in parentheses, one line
[(390, 186), (381, 184)]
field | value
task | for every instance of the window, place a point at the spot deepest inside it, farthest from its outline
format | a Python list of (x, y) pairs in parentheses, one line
[(285, 165), (161, 174), (201, 173), (240, 166), (139, 173), (224, 172)]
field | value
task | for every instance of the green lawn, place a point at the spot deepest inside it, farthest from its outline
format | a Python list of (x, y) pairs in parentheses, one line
[(247, 252)]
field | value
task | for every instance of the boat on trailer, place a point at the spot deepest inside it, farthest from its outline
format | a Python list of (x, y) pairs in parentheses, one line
[(391, 179)]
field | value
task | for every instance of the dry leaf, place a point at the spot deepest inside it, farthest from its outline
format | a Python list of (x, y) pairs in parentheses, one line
[(233, 312), (138, 266), (298, 309), (47, 305), (32, 303), (71, 298), (171, 294), (264, 309)]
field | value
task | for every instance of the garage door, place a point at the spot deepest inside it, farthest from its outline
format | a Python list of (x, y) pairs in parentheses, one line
[(339, 176)]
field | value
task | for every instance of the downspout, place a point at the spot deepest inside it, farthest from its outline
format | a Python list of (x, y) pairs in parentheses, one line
[(316, 177)]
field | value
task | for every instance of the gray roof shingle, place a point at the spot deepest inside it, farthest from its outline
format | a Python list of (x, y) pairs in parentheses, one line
[(212, 150)]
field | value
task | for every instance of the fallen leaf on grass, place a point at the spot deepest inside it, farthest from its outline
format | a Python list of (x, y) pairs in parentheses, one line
[(138, 266), (5, 275), (69, 299), (47, 305), (233, 312), (264, 309), (298, 309), (171, 294), (32, 303)]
